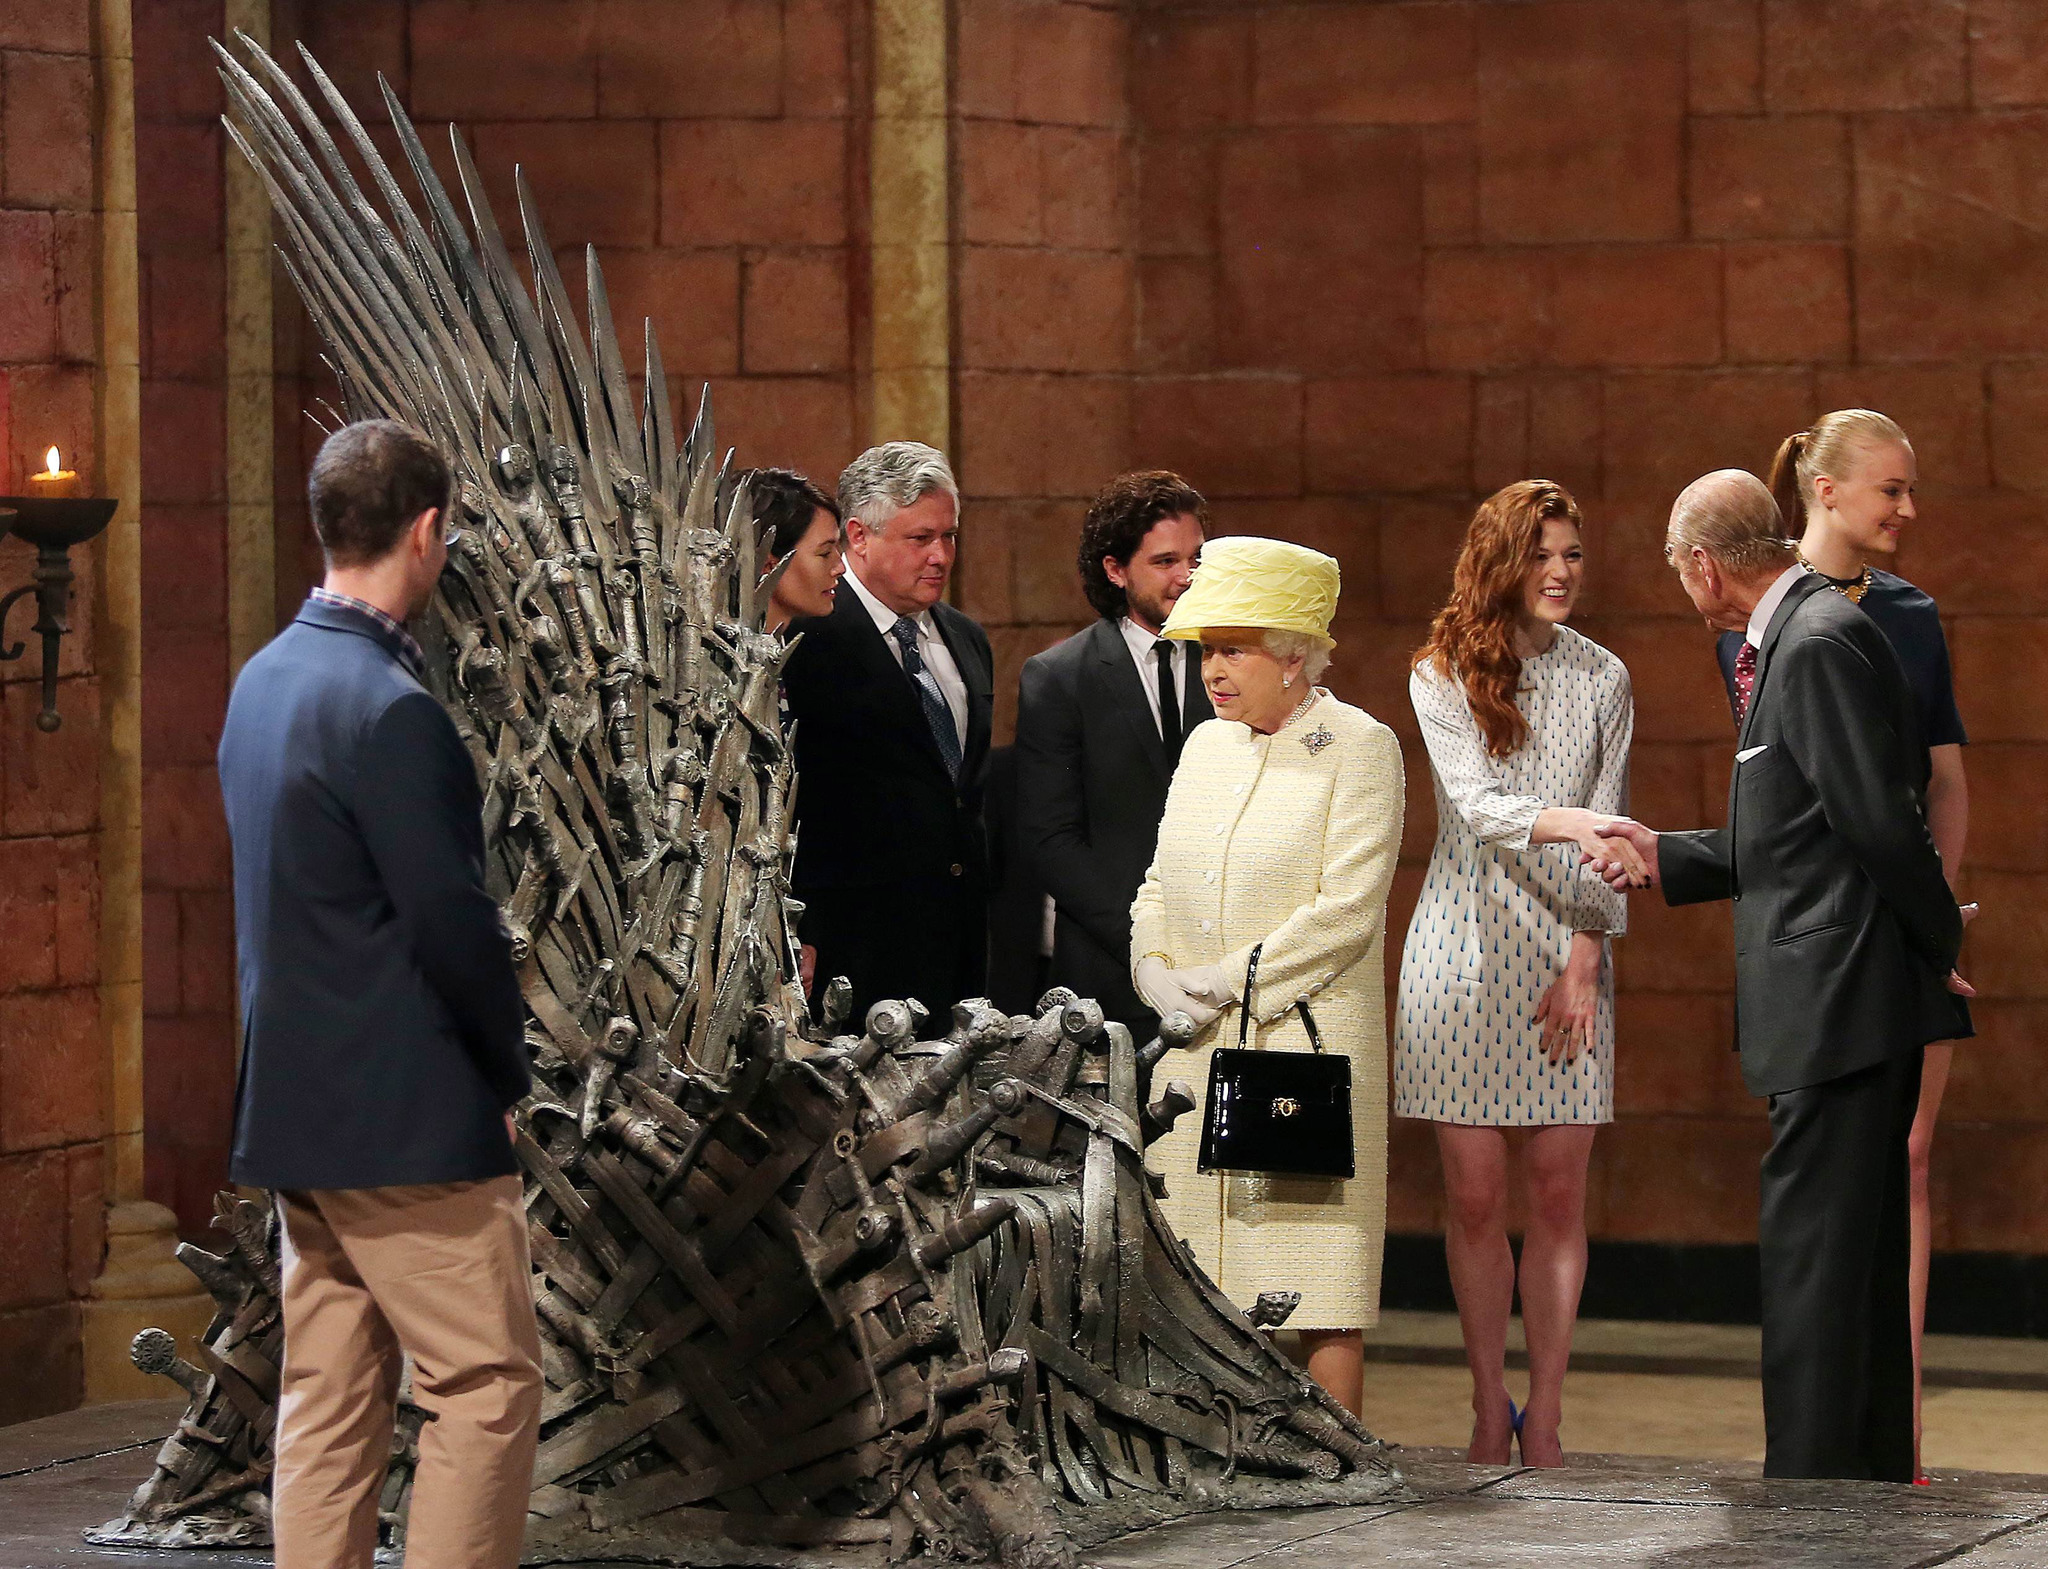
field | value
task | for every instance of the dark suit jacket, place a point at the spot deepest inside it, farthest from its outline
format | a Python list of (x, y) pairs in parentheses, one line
[(1845, 930), (892, 864), (1092, 774), (383, 1034), (1018, 970)]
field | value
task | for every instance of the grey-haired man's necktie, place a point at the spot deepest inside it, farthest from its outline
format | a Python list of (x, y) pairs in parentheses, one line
[(936, 714)]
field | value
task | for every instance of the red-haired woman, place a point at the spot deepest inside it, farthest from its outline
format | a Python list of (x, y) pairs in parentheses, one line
[(1506, 1016)]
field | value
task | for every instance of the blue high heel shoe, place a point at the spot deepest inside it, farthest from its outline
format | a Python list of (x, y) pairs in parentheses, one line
[(1515, 1424)]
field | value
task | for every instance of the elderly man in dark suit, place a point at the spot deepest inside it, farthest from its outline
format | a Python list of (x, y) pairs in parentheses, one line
[(383, 1043), (1100, 721), (892, 697), (1846, 938)]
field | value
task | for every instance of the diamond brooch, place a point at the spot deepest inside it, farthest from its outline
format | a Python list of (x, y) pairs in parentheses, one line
[(1317, 739)]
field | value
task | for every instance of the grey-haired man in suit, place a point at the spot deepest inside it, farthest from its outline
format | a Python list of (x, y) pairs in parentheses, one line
[(1846, 938)]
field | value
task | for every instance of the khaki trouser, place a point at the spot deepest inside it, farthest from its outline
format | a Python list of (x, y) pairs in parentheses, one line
[(439, 1271)]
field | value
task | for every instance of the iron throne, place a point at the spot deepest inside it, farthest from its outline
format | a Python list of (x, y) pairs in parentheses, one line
[(875, 1296)]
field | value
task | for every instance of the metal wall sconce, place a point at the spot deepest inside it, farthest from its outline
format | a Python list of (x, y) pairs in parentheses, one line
[(52, 520)]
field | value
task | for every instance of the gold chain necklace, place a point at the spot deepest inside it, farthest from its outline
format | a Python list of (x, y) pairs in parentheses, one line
[(1850, 588)]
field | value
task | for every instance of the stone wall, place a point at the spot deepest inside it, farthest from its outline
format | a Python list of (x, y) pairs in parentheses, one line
[(53, 1090)]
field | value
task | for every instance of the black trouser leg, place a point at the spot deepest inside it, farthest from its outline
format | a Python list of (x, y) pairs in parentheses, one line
[(1837, 1347)]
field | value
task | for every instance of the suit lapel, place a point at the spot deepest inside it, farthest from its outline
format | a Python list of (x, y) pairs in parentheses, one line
[(980, 684), (883, 674), (1120, 672), (1195, 707), (1794, 597)]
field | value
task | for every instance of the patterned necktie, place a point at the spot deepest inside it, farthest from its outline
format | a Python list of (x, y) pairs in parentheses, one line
[(1169, 705), (936, 714), (1745, 679)]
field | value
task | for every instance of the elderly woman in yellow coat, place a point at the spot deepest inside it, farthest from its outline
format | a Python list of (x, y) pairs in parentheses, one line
[(1281, 829)]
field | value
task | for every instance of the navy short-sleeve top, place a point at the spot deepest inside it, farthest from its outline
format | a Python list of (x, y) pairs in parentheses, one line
[(1911, 622)]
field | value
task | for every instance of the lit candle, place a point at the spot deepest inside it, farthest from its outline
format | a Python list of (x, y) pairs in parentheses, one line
[(54, 480)]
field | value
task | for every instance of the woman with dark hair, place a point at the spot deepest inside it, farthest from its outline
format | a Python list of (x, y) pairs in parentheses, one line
[(804, 529), (1845, 488), (1506, 1016)]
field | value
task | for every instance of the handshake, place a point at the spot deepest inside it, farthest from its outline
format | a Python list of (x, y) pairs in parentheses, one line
[(1200, 991), (1621, 851)]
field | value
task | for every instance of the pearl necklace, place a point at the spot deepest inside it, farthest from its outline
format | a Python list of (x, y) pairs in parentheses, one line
[(1299, 709)]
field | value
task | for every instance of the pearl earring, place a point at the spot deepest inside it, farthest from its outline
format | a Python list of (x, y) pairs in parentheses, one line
[(1286, 681)]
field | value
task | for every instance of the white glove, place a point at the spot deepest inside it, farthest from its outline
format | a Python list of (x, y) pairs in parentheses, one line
[(1207, 983), (1163, 993)]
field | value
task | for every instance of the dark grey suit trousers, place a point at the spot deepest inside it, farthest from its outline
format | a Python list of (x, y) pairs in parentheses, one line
[(1838, 1352)]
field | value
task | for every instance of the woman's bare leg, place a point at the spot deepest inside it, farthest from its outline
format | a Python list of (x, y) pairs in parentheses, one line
[(1335, 1358), (1475, 1162), (1553, 1272), (1920, 1210)]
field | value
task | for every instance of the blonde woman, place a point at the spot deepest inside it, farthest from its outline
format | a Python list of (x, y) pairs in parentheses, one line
[(1845, 487), (1280, 834)]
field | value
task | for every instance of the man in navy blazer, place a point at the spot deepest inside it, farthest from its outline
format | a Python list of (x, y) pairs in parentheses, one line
[(382, 1043)]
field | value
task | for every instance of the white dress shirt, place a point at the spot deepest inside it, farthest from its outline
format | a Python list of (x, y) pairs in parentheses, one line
[(931, 648), (1141, 643), (1774, 596)]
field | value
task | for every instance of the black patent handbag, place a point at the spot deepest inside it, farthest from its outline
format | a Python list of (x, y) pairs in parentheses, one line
[(1283, 1113)]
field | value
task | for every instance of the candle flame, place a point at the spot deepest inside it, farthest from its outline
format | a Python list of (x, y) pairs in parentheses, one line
[(52, 464)]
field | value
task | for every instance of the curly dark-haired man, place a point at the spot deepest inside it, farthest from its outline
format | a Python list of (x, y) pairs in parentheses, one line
[(1100, 721)]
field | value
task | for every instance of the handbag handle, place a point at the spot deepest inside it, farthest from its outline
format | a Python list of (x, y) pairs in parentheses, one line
[(1244, 1012)]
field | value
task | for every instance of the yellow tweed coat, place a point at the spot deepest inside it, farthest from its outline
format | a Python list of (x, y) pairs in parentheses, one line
[(1269, 839)]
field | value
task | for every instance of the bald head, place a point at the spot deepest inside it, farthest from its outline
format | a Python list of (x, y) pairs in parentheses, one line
[(1724, 540), (1731, 516)]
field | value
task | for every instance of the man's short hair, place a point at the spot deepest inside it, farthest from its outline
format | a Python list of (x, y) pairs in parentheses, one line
[(1119, 519), (884, 480), (1732, 516), (786, 501), (370, 480)]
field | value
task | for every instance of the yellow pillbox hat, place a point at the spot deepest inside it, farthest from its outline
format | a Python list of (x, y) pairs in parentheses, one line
[(1244, 581)]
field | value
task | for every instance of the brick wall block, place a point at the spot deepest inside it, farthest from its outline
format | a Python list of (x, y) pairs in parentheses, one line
[(1420, 538), (48, 131), (1638, 305), (1993, 1078), (1345, 192), (52, 782), (817, 72), (46, 1339), (1775, 177), (558, 158), (799, 422), (1189, 71), (661, 60), (1787, 303), (2007, 957), (184, 565), (1978, 552), (184, 827), (1230, 435), (505, 59), (184, 694), (1281, 308), (1580, 110), (1069, 62), (1674, 1056), (1176, 324), (1085, 174), (1389, 433), (1724, 56), (1947, 263), (1911, 54), (53, 1067), (1941, 407), (2008, 52), (796, 313), (56, 26), (185, 457), (1044, 310), (771, 182), (1692, 1175), (1001, 196), (1984, 652), (1363, 65), (160, 981), (1670, 428), (28, 287), (1176, 196)]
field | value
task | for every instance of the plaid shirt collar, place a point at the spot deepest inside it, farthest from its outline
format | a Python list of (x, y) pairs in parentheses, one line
[(408, 646)]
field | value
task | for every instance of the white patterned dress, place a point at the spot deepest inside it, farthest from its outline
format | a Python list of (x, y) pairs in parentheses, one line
[(1494, 925)]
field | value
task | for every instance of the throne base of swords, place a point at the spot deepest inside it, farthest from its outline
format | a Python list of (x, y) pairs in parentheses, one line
[(867, 1297)]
